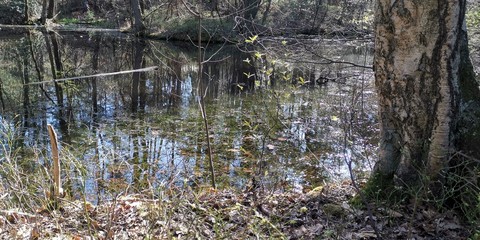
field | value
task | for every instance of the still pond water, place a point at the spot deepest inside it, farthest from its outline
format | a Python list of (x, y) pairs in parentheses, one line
[(272, 117)]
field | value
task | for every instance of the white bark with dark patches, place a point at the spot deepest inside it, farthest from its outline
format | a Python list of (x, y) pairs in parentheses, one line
[(417, 58)]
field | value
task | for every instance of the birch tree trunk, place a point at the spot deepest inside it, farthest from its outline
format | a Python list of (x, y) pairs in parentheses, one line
[(424, 87)]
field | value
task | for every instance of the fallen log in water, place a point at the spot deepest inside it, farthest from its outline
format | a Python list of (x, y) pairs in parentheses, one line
[(147, 69)]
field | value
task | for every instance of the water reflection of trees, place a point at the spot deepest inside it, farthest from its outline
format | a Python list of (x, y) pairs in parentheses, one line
[(137, 147), (80, 54)]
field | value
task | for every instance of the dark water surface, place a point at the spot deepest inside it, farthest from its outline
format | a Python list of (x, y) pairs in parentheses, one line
[(272, 118)]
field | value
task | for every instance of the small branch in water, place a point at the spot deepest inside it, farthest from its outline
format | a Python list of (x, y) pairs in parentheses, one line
[(147, 69)]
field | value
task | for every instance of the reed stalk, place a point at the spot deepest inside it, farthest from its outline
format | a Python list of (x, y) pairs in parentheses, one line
[(57, 184)]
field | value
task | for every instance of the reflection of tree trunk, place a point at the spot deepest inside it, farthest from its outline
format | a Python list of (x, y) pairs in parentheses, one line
[(57, 69), (56, 55), (243, 74), (136, 158), (43, 17), (38, 67), (26, 89), (144, 163), (134, 92), (137, 64), (251, 9), (19, 142), (112, 169), (25, 10), (57, 72), (267, 11), (142, 6), (171, 167), (86, 8), (142, 88), (99, 161), (95, 71), (250, 12), (58, 87), (51, 8), (318, 19), (139, 161), (212, 71), (214, 7), (157, 88), (175, 83), (1, 95), (138, 27), (178, 86)]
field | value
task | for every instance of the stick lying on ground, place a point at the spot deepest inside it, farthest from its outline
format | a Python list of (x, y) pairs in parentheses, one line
[(147, 69)]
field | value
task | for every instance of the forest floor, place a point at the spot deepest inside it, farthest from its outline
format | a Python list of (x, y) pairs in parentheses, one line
[(323, 213)]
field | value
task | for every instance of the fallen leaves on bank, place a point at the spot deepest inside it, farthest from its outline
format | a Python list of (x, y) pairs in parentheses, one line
[(323, 213)]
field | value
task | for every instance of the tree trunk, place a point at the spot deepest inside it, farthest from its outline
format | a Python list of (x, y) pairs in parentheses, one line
[(95, 57), (26, 17), (86, 8), (138, 27), (266, 12), (51, 8), (419, 81), (43, 16), (26, 87), (58, 88), (59, 73), (142, 87), (2, 101), (251, 9), (138, 48)]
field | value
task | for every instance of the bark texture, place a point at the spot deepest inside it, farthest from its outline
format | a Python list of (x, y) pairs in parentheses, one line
[(418, 77)]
